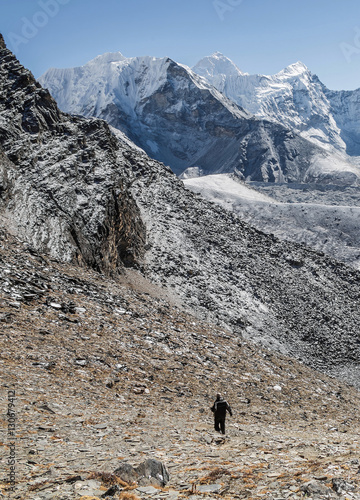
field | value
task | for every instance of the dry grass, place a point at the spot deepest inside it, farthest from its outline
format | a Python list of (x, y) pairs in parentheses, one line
[(215, 474), (126, 495), (108, 478)]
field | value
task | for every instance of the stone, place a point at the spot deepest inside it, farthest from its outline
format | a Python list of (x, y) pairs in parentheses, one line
[(209, 488), (339, 485), (112, 491), (126, 472), (152, 471), (55, 305), (315, 488), (148, 490)]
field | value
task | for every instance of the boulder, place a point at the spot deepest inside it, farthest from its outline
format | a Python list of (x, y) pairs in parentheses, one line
[(152, 472), (313, 488), (126, 472)]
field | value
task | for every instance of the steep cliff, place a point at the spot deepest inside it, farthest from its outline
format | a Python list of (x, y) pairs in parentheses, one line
[(64, 191)]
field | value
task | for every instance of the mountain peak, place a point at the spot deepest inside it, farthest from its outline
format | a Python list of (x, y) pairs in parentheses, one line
[(219, 55), (295, 68), (216, 64), (107, 58), (2, 42)]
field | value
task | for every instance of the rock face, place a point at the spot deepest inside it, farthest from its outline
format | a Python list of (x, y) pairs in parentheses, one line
[(61, 183), (345, 108), (179, 119)]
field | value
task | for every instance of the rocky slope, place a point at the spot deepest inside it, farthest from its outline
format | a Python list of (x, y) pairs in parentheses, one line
[(181, 120), (83, 196), (280, 294), (107, 372), (326, 218), (61, 184)]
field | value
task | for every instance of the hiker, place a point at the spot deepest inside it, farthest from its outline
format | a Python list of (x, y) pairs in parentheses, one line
[(219, 408)]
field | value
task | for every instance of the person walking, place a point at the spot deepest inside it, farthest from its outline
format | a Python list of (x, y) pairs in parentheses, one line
[(219, 408)]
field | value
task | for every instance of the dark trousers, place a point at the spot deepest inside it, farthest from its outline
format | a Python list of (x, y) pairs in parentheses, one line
[(219, 424)]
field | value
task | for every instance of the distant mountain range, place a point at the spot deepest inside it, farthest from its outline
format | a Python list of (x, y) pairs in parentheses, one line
[(294, 97), (216, 119)]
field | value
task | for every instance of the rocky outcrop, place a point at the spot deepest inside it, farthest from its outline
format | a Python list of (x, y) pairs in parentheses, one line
[(149, 472), (6, 169), (68, 195)]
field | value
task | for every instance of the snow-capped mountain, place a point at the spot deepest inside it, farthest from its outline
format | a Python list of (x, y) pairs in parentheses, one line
[(185, 122), (294, 97)]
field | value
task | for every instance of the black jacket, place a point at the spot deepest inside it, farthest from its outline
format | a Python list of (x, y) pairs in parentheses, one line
[(220, 407)]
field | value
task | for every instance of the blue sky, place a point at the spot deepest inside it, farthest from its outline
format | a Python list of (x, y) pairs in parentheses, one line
[(260, 36)]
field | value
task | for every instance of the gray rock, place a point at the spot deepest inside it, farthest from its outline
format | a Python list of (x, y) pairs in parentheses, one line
[(152, 472), (112, 491), (126, 472), (148, 490), (81, 213), (209, 488), (339, 485), (315, 488)]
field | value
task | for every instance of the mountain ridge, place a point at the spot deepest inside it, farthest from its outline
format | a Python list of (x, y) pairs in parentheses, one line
[(296, 97), (180, 119)]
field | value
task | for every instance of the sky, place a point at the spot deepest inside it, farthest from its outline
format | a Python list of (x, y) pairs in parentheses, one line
[(259, 36)]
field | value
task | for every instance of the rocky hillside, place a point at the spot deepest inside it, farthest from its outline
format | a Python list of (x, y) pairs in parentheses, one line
[(107, 372), (181, 120), (323, 217), (280, 294), (62, 187), (76, 192)]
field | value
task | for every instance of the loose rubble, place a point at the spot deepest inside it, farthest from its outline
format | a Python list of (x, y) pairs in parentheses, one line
[(120, 375)]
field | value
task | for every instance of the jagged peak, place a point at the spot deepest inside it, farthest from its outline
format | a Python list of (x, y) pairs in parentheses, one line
[(216, 64), (297, 68), (107, 58), (2, 42)]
